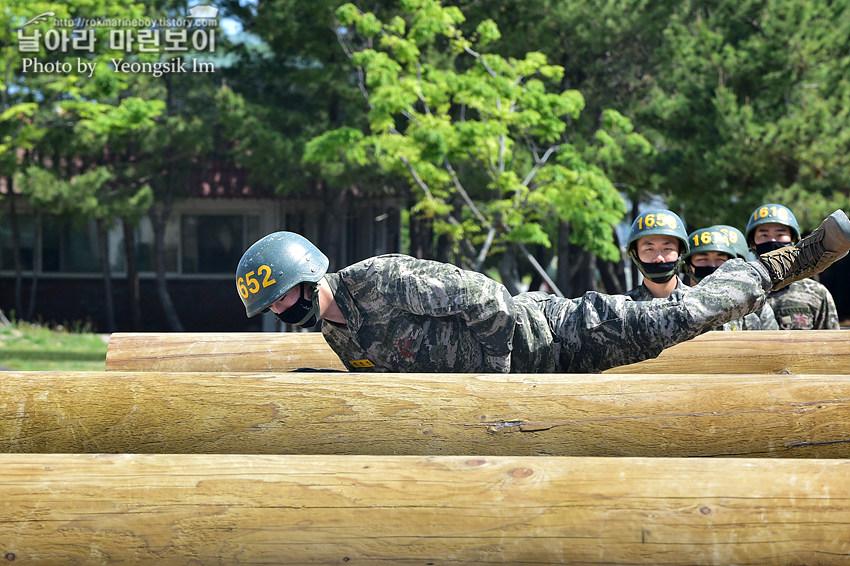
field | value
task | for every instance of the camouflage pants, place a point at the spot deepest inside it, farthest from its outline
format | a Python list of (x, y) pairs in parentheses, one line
[(598, 331)]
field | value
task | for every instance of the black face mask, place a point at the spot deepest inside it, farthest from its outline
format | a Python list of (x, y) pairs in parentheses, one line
[(659, 272), (765, 247), (304, 313), (703, 271)]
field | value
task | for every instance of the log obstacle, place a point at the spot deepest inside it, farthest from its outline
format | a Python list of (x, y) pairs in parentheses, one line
[(250, 509), (761, 351), (219, 351), (766, 352), (421, 414)]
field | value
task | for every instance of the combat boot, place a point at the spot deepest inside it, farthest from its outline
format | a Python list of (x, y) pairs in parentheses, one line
[(828, 243)]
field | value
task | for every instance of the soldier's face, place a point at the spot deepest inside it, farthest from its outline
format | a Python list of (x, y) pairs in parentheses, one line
[(287, 300), (657, 249), (772, 233), (709, 259)]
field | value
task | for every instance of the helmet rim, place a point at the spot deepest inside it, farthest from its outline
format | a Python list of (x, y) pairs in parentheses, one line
[(273, 265)]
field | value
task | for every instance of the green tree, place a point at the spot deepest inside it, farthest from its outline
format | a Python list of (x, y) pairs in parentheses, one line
[(606, 48), (750, 104), (289, 82), (49, 94), (480, 137)]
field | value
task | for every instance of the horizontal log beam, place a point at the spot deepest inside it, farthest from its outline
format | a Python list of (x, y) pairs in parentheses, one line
[(333, 413), (219, 351), (762, 351), (249, 509), (771, 351)]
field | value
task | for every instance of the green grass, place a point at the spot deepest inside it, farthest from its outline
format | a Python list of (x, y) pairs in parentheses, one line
[(30, 347)]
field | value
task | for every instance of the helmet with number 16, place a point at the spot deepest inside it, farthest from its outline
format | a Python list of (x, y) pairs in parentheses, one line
[(736, 240), (772, 214)]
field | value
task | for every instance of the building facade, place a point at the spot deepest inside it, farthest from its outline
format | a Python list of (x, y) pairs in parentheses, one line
[(59, 277)]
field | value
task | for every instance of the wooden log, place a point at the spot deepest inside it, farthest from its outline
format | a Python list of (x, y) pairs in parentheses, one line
[(219, 351), (762, 351), (251, 509), (770, 351), (415, 414)]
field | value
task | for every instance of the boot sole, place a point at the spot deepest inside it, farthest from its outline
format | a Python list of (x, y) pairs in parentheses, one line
[(843, 222)]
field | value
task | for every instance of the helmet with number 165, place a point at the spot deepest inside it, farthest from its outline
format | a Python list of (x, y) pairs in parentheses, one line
[(772, 214), (275, 264), (658, 222)]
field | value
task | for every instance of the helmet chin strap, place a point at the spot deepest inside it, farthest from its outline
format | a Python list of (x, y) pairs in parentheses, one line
[(306, 309), (656, 277), (314, 309)]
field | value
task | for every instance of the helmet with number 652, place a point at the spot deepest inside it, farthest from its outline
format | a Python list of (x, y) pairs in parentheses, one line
[(772, 214), (275, 264)]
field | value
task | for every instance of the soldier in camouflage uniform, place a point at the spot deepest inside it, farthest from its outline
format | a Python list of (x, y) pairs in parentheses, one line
[(708, 249), (805, 304), (395, 313), (657, 240)]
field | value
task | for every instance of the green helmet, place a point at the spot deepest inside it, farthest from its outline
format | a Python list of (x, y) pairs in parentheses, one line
[(711, 239), (658, 222), (275, 264), (772, 214), (736, 240)]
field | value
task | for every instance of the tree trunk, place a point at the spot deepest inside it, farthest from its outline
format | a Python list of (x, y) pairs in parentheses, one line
[(576, 267), (584, 279), (133, 292), (159, 216), (36, 264), (16, 251), (333, 227), (634, 272), (107, 275), (613, 273), (421, 237), (509, 270)]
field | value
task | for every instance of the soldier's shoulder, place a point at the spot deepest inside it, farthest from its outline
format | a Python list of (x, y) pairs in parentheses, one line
[(639, 293), (809, 287)]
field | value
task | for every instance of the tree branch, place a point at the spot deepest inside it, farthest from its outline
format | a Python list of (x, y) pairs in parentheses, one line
[(540, 270)]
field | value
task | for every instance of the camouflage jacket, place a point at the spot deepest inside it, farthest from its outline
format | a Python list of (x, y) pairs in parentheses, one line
[(804, 305), (642, 292), (409, 315), (762, 319)]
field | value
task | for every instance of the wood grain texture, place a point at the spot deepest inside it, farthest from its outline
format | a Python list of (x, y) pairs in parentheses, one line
[(250, 509), (219, 351), (421, 414), (769, 351), (761, 351)]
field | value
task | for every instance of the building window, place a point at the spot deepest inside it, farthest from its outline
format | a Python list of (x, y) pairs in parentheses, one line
[(215, 243), (26, 231), (145, 258), (68, 248), (194, 244)]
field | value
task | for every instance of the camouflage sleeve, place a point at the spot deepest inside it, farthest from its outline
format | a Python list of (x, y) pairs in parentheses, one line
[(827, 316), (767, 317), (429, 288)]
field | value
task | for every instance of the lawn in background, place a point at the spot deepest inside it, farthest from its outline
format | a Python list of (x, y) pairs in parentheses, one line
[(27, 347)]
